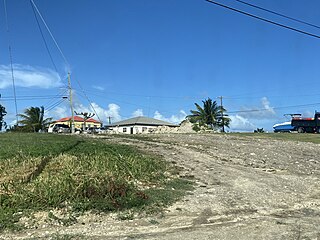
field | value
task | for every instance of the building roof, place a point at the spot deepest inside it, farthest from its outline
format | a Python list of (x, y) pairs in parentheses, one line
[(142, 121), (77, 119)]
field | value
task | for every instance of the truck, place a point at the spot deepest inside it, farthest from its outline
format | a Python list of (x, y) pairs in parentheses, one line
[(309, 125)]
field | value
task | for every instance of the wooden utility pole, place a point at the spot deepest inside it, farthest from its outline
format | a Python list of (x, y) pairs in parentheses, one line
[(71, 105)]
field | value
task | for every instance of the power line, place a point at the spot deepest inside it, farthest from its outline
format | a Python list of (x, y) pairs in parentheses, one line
[(146, 96), (62, 95), (27, 98), (269, 97), (278, 14), (86, 96), (274, 108), (264, 19), (43, 38), (49, 31), (11, 61), (49, 108)]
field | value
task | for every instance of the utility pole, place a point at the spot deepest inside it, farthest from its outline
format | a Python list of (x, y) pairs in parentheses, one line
[(221, 109), (71, 105), (109, 118)]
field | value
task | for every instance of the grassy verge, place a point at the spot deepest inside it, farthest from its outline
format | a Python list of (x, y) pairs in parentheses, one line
[(299, 137), (39, 172)]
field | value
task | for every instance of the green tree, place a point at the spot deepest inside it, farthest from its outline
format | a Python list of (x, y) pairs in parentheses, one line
[(222, 119), (210, 115), (2, 114), (33, 119)]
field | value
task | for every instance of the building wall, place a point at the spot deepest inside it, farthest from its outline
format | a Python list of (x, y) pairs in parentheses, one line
[(80, 124), (133, 129)]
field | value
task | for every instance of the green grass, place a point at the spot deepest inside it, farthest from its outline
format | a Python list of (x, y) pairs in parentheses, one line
[(299, 137), (43, 172)]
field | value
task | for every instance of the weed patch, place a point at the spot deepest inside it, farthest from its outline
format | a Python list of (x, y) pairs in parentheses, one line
[(80, 174)]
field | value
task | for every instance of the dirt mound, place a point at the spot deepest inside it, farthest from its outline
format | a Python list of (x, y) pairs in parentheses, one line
[(185, 127)]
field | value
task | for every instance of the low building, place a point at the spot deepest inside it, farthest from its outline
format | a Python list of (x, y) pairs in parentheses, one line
[(79, 122), (138, 125)]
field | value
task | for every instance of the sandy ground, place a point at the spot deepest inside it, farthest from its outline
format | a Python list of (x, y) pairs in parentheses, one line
[(245, 188)]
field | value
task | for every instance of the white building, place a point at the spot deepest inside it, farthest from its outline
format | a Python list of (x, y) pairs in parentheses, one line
[(138, 125)]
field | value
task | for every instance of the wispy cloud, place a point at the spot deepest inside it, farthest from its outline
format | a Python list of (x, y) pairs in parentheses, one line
[(173, 118), (98, 87), (28, 76), (258, 112)]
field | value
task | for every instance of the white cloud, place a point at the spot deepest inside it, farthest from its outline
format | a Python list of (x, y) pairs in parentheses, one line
[(137, 113), (265, 111), (98, 87), (113, 111), (58, 112), (174, 118), (28, 76), (239, 123), (308, 114)]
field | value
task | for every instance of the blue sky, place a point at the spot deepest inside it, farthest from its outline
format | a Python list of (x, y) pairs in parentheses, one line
[(157, 58)]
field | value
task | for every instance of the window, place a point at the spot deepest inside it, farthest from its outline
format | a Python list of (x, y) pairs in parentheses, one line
[(124, 130), (144, 129)]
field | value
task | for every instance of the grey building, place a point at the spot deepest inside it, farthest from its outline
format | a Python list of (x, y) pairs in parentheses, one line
[(138, 125)]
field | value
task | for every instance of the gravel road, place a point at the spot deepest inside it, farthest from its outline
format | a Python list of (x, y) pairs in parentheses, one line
[(245, 188)]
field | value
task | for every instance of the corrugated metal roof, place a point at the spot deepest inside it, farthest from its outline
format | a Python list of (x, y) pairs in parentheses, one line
[(142, 121)]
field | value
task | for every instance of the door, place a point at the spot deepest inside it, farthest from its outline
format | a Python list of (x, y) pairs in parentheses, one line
[(131, 130)]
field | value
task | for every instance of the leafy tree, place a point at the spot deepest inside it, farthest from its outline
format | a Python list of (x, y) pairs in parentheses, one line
[(210, 115), (2, 114), (222, 119), (259, 130), (33, 119)]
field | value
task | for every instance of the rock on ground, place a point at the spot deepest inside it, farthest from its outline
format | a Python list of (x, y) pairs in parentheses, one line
[(245, 188)]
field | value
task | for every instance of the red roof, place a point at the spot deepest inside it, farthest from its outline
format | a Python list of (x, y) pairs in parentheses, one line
[(77, 119)]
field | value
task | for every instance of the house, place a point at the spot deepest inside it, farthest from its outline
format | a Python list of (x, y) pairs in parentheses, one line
[(79, 122), (138, 125)]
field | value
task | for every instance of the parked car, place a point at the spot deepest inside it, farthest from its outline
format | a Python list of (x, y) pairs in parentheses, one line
[(61, 128), (102, 130)]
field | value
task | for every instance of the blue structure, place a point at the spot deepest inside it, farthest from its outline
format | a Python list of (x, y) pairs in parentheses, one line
[(283, 127)]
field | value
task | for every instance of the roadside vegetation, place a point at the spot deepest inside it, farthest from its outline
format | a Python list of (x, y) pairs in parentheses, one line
[(41, 172), (210, 116)]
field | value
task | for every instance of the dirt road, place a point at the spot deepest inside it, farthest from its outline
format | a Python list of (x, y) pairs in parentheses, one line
[(245, 188)]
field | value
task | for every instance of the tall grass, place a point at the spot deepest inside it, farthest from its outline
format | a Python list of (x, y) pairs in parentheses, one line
[(41, 171)]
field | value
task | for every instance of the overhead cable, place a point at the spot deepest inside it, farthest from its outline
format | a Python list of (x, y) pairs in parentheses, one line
[(52, 106), (49, 31), (264, 19), (11, 61), (86, 96), (278, 14), (27, 98), (43, 38), (274, 108)]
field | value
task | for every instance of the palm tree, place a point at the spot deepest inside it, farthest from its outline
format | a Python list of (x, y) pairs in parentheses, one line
[(33, 119), (223, 120), (206, 116), (210, 115)]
